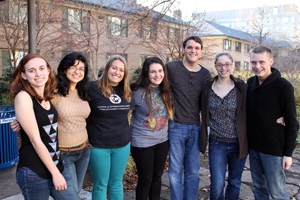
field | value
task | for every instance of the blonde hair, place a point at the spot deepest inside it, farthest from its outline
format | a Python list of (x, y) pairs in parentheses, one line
[(104, 83)]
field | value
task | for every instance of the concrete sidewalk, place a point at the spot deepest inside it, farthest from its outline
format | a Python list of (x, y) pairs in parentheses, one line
[(9, 190)]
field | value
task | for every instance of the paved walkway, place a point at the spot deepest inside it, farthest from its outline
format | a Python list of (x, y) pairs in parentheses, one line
[(9, 190)]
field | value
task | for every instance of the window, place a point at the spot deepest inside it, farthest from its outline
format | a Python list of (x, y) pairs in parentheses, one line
[(147, 32), (64, 53), (85, 22), (238, 46), (270, 21), (173, 34), (295, 52), (19, 12), (247, 48), (4, 11), (143, 58), (116, 27), (169, 58), (284, 28), (227, 45), (237, 65), (7, 59), (75, 19), (278, 28), (285, 19), (246, 66), (19, 55)]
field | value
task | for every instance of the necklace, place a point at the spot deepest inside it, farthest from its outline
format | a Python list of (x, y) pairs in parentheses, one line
[(44, 105)]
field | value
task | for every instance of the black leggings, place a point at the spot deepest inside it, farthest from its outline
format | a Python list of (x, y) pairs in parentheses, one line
[(150, 163)]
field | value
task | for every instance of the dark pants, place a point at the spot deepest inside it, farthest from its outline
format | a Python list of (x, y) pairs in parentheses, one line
[(150, 163)]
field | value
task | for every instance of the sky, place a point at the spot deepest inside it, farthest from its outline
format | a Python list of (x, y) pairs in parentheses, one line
[(190, 6)]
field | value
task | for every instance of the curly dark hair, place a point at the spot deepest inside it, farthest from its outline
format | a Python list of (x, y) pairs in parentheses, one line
[(63, 83)]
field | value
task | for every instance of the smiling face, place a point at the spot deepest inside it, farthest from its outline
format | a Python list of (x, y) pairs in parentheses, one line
[(223, 66), (156, 74), (261, 65), (36, 72), (192, 51), (116, 72), (75, 73)]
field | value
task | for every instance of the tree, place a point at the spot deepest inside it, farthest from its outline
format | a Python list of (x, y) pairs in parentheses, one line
[(258, 23), (13, 24), (14, 37), (97, 28), (49, 34), (172, 31), (113, 28), (14, 29)]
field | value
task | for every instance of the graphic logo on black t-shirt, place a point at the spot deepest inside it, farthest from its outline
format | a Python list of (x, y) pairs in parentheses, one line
[(115, 99), (51, 131)]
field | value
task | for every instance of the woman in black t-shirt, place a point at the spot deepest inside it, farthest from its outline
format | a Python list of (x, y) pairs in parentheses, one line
[(108, 129)]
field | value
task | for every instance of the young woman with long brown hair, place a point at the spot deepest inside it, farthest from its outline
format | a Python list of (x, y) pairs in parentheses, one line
[(151, 107)]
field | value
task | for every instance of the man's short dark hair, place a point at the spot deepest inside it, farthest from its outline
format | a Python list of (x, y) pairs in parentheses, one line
[(195, 38)]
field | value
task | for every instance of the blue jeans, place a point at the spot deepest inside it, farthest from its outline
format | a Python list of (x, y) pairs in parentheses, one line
[(268, 176), (107, 166), (184, 156), (77, 163), (221, 155), (36, 188)]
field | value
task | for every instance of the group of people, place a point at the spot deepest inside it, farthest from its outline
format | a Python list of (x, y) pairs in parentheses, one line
[(256, 118), (85, 124), (68, 123)]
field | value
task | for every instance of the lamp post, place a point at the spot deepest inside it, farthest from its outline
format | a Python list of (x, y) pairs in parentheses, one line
[(31, 25)]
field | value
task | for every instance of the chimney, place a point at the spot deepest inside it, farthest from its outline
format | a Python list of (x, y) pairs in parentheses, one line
[(177, 14), (131, 2)]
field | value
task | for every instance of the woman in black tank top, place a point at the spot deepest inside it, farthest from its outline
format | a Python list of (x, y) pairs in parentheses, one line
[(40, 172)]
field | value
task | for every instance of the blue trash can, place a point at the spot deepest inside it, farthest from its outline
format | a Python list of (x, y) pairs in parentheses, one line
[(8, 139)]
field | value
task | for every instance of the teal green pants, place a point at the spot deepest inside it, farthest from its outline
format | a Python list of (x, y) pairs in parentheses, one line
[(107, 167)]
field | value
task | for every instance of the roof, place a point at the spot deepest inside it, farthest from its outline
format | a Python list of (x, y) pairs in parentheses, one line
[(214, 29), (130, 6), (233, 14)]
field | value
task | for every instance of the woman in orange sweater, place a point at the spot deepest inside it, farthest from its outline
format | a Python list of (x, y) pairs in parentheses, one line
[(71, 103)]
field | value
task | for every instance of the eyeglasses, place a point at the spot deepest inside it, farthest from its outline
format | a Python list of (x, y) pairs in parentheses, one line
[(220, 65), (73, 69)]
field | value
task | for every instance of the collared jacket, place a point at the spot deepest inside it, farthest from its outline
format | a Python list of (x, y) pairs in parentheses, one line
[(241, 121)]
